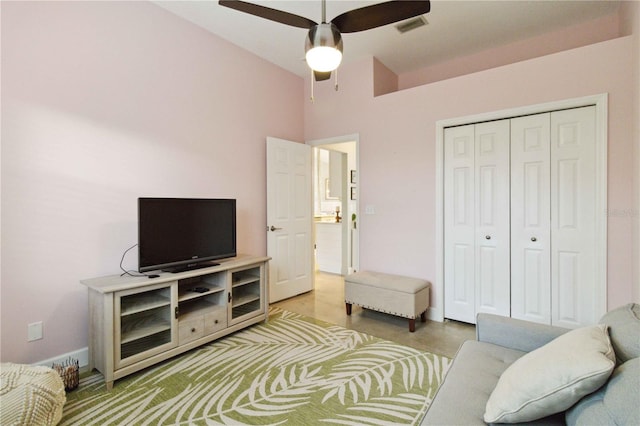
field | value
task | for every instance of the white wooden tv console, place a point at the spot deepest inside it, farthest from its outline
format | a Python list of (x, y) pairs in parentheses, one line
[(135, 322)]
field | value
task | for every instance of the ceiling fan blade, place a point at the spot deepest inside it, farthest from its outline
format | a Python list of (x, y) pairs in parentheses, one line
[(380, 14), (321, 76), (268, 13)]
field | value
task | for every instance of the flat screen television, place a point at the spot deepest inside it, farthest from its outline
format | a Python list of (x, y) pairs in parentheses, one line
[(177, 234)]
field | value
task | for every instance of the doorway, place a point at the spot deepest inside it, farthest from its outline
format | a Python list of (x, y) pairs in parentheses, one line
[(335, 206)]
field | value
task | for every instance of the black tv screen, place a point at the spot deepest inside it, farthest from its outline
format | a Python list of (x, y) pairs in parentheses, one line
[(184, 233)]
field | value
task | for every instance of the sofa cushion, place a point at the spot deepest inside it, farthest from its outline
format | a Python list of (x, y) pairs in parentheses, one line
[(616, 403), (552, 378), (624, 329), (471, 377)]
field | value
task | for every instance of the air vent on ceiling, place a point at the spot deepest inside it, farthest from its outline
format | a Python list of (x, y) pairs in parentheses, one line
[(411, 24)]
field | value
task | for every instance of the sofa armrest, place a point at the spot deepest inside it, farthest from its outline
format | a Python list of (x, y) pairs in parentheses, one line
[(514, 334)]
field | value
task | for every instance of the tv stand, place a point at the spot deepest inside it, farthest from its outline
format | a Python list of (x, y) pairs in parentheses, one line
[(135, 322), (190, 267)]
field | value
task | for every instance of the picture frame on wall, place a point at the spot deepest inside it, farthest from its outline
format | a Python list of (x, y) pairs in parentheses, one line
[(353, 176), (353, 192)]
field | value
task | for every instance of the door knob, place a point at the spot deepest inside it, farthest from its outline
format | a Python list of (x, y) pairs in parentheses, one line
[(273, 228), (488, 237), (534, 239)]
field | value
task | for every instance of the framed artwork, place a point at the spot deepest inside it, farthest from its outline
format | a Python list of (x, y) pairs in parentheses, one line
[(353, 176), (353, 193)]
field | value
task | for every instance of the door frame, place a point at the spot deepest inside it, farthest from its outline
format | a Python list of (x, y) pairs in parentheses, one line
[(354, 137), (600, 101)]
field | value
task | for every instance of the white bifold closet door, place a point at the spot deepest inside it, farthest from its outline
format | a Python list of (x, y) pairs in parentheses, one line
[(574, 295), (531, 218), (476, 216), (553, 219), (520, 219)]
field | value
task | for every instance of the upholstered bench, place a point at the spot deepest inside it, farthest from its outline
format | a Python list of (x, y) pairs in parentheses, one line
[(31, 395), (393, 294)]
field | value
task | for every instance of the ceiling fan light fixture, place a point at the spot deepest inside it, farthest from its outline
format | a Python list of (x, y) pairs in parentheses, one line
[(323, 47)]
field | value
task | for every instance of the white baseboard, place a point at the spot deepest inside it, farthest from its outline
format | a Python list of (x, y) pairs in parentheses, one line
[(435, 314), (82, 355)]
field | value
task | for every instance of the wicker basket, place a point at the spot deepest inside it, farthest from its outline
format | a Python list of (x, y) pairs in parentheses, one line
[(69, 371)]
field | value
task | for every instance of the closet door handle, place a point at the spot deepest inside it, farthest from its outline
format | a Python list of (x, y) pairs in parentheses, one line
[(488, 237), (534, 239)]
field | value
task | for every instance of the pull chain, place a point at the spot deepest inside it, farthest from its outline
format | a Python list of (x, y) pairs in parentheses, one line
[(311, 86)]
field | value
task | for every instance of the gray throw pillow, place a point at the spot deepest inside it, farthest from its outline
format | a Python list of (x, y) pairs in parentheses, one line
[(616, 403), (624, 330)]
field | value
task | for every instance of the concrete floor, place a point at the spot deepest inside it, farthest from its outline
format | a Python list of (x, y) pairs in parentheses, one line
[(326, 303)]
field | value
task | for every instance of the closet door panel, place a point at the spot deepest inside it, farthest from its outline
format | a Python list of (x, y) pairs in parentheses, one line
[(530, 218), (573, 216), (492, 217), (459, 207)]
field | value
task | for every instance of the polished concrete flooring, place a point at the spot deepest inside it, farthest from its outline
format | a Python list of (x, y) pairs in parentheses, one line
[(326, 303)]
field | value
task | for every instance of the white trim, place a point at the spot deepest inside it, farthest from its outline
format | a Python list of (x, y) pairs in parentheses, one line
[(82, 355), (353, 137), (336, 139), (602, 111)]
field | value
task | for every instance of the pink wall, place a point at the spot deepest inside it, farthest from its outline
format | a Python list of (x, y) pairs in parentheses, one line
[(397, 147), (103, 102), (583, 34), (630, 25)]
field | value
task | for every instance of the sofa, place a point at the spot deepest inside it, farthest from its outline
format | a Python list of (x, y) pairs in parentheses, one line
[(525, 373)]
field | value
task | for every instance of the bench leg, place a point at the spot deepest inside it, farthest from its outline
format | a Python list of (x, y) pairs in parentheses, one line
[(423, 316), (348, 308), (412, 325)]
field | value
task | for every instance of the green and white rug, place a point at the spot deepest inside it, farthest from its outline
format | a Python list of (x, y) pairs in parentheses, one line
[(292, 370)]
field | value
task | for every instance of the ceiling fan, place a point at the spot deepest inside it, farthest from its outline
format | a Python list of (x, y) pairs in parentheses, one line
[(323, 45)]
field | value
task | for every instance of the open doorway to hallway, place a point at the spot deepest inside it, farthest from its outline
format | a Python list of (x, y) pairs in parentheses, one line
[(335, 181)]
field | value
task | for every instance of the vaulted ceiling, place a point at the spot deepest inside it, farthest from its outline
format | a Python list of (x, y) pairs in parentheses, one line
[(454, 29)]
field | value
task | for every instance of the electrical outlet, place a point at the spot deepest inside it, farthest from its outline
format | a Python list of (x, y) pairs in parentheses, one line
[(369, 209), (34, 331)]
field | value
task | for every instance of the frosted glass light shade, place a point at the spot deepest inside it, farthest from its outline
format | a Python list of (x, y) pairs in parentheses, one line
[(324, 58), (323, 48)]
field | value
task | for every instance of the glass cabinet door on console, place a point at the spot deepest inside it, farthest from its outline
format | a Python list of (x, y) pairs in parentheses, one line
[(247, 286), (145, 322)]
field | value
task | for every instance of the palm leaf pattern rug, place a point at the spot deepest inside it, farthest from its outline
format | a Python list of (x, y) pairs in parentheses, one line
[(292, 370)]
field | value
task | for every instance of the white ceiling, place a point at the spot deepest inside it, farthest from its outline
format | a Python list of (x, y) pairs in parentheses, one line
[(456, 28)]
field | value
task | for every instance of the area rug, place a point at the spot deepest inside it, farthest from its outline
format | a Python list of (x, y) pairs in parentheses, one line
[(292, 370)]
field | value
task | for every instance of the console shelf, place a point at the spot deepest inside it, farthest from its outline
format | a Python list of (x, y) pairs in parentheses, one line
[(185, 293), (142, 303), (136, 322)]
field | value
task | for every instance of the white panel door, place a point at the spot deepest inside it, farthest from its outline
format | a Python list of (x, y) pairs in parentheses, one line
[(573, 217), (289, 218), (459, 226), (492, 243), (530, 219)]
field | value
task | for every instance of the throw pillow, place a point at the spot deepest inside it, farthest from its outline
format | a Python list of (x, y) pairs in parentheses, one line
[(624, 328), (553, 377), (616, 403)]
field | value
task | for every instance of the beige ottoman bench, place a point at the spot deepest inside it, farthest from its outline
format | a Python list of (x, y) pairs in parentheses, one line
[(393, 294)]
